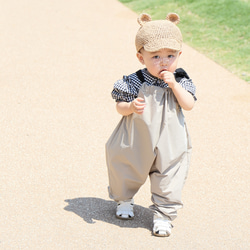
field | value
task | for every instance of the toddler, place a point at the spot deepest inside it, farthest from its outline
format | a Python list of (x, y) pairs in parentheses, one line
[(152, 137)]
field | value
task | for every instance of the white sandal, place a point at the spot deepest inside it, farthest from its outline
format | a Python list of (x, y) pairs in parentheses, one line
[(124, 210), (162, 227)]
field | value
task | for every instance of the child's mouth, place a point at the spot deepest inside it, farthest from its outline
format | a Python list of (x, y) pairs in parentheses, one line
[(162, 71)]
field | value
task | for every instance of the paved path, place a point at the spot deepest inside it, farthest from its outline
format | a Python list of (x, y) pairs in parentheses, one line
[(59, 60)]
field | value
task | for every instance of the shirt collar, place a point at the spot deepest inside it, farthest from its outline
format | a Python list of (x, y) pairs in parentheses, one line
[(152, 80)]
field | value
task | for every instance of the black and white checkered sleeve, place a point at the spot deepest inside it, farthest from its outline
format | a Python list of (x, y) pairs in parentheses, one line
[(188, 85), (124, 90)]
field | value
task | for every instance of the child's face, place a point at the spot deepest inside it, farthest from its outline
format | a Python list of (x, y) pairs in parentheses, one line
[(162, 60)]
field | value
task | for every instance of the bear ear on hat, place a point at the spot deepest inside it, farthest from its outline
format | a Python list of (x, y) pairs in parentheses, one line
[(144, 18), (173, 17)]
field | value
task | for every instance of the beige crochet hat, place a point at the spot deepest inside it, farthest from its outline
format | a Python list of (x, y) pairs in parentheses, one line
[(159, 34)]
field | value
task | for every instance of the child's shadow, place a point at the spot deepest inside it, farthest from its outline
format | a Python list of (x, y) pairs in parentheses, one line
[(96, 209)]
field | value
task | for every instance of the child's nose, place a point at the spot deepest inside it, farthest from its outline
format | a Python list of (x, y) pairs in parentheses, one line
[(164, 61)]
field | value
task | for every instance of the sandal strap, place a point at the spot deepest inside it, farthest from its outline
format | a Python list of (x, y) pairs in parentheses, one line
[(126, 203)]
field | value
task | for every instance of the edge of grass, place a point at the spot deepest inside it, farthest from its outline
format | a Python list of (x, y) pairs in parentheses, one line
[(217, 28)]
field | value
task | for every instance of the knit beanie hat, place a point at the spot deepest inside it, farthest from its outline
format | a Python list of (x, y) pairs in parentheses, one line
[(159, 34)]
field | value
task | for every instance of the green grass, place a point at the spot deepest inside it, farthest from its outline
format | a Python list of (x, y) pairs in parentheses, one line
[(217, 28)]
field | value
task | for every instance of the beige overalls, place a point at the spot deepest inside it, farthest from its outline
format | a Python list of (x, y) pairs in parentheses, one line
[(154, 144)]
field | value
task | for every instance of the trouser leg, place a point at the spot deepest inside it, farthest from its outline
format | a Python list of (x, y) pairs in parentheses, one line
[(166, 187), (125, 183), (129, 157), (127, 172)]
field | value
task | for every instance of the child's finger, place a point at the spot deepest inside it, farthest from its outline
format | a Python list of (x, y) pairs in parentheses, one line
[(163, 73), (140, 100)]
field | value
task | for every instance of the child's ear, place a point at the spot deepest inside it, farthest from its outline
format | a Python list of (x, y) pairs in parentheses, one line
[(140, 57)]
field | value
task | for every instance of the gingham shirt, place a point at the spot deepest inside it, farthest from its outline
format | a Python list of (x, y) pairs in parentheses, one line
[(127, 89)]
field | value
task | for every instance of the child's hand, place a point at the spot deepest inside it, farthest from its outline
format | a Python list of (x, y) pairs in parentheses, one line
[(168, 77), (137, 105)]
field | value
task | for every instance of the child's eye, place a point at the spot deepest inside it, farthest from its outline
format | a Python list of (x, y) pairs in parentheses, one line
[(170, 56), (156, 57)]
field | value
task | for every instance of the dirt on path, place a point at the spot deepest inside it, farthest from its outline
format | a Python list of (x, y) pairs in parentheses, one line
[(59, 60)]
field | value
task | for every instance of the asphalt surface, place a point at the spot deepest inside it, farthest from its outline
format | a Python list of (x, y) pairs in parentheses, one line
[(59, 60)]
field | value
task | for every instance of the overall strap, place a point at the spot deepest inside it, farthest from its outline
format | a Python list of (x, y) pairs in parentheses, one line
[(140, 76), (180, 73)]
